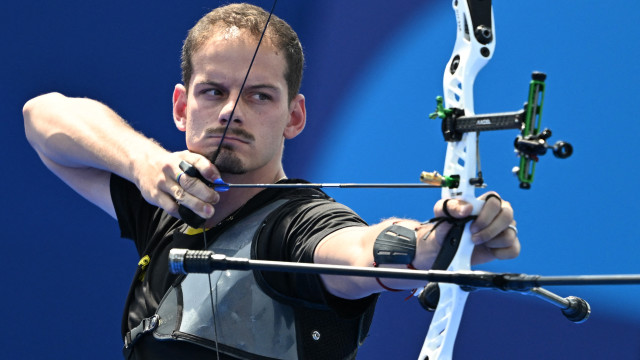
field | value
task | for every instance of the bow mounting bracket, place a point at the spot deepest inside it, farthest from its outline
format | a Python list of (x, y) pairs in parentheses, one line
[(529, 145)]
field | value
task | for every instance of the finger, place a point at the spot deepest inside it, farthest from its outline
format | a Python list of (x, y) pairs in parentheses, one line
[(205, 167), (184, 198), (507, 252), (179, 176), (168, 203), (193, 184), (491, 208), (504, 246), (505, 239), (198, 189), (455, 207), (491, 223), (483, 254)]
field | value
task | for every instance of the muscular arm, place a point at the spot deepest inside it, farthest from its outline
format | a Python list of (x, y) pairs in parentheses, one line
[(83, 141), (354, 246)]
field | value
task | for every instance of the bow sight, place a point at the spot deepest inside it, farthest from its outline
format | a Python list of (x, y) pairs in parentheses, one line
[(529, 145)]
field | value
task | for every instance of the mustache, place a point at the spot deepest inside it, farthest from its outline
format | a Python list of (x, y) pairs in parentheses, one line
[(235, 132)]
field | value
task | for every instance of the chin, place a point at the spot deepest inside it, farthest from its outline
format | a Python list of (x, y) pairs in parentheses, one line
[(229, 163)]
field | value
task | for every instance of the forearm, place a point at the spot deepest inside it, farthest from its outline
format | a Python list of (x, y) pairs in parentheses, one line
[(83, 133), (490, 233), (354, 247)]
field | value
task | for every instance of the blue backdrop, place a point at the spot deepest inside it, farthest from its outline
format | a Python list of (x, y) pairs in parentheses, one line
[(373, 71)]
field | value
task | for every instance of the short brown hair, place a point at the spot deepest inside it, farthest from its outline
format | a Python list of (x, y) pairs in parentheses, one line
[(253, 19)]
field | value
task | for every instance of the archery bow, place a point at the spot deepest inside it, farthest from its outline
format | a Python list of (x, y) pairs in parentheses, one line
[(472, 50), (474, 46)]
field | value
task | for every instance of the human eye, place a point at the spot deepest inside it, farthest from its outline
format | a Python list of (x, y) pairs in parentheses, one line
[(210, 90), (214, 92), (260, 96)]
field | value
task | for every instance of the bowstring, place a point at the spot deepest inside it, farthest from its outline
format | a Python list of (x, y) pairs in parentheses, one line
[(224, 133), (213, 161)]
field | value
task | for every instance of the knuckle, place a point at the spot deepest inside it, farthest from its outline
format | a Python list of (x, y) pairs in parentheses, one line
[(167, 169), (187, 181)]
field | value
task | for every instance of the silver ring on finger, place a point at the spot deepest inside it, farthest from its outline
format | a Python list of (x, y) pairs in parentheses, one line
[(514, 228)]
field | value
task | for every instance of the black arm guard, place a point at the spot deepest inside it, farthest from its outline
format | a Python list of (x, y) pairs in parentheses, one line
[(395, 245)]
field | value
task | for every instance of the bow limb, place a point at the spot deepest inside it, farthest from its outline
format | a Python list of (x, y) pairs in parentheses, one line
[(474, 47)]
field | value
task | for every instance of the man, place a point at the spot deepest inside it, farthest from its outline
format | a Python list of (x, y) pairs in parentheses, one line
[(237, 314)]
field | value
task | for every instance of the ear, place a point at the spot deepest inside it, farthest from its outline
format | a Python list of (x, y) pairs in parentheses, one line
[(180, 107), (297, 117)]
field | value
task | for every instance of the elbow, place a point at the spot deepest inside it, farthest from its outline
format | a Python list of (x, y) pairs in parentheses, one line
[(347, 287), (35, 112), (27, 113), (40, 101)]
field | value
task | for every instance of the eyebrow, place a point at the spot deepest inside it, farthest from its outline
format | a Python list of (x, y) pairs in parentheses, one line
[(262, 86), (209, 83), (246, 87)]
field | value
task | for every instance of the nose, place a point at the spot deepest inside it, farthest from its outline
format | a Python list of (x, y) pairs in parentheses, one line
[(232, 109)]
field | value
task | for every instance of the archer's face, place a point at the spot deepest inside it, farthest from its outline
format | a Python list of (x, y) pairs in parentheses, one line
[(262, 115)]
